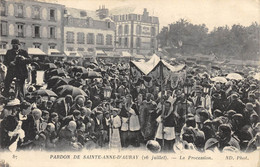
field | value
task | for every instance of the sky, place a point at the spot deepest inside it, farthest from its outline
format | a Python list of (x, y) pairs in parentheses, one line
[(212, 13)]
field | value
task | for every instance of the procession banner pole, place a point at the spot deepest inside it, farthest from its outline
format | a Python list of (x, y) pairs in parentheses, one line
[(162, 93)]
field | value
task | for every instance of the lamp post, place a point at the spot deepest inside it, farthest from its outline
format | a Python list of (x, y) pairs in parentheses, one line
[(187, 87)]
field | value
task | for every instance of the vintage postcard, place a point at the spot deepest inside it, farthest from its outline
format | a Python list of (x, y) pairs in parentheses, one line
[(129, 83)]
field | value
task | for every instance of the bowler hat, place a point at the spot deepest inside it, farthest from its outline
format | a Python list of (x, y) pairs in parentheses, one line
[(15, 42)]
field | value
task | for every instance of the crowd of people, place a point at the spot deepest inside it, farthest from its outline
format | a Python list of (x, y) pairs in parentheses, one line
[(97, 106)]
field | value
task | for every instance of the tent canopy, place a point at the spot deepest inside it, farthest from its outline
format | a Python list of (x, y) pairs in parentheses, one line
[(126, 54), (147, 67), (55, 52), (73, 54), (35, 51)]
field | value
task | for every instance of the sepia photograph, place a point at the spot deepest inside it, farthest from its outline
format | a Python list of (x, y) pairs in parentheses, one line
[(129, 83)]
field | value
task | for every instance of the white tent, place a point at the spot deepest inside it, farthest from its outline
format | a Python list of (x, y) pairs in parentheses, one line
[(55, 52), (35, 51), (73, 54), (147, 67), (126, 54)]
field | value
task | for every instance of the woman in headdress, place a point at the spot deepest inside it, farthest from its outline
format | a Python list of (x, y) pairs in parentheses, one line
[(115, 124)]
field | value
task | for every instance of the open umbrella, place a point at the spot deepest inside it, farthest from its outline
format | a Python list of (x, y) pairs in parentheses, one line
[(50, 66), (219, 79), (57, 72), (91, 65), (78, 69), (234, 76), (91, 75), (62, 81), (70, 90), (45, 92)]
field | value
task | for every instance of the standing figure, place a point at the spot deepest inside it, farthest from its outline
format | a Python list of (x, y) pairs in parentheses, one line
[(114, 130), (15, 60), (147, 118)]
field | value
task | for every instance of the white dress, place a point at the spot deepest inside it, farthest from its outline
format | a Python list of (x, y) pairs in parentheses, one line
[(114, 141)]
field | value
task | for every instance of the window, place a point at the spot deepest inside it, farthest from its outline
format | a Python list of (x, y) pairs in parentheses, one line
[(52, 32), (100, 39), (3, 28), (126, 29), (36, 12), (2, 8), (70, 37), (52, 46), (108, 25), (153, 31), (81, 38), (37, 45), (120, 29), (3, 45), (126, 17), (52, 14), (109, 40), (20, 30), (91, 49), (138, 42), (37, 31), (83, 13), (139, 17), (152, 43), (81, 49), (126, 42), (90, 38), (120, 41), (20, 10), (138, 29), (70, 49)]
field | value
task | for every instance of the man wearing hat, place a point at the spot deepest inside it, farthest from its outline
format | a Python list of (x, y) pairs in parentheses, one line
[(236, 104), (224, 138), (15, 69)]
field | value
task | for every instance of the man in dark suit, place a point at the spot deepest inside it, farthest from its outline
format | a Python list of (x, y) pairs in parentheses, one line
[(15, 60), (62, 106)]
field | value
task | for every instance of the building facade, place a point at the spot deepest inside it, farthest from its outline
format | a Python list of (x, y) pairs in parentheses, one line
[(36, 24), (88, 31), (136, 33)]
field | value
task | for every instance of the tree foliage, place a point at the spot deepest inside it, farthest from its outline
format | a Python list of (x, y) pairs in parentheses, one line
[(238, 41)]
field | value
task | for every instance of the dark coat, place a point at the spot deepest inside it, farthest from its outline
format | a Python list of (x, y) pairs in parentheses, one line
[(60, 107), (18, 69)]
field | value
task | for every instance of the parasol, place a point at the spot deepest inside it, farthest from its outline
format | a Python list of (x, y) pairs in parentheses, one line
[(219, 79), (234, 76)]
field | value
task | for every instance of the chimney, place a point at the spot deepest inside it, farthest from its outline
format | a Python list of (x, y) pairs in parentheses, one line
[(102, 12)]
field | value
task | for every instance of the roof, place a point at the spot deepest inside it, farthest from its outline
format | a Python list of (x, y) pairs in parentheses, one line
[(126, 10), (75, 13), (35, 51)]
